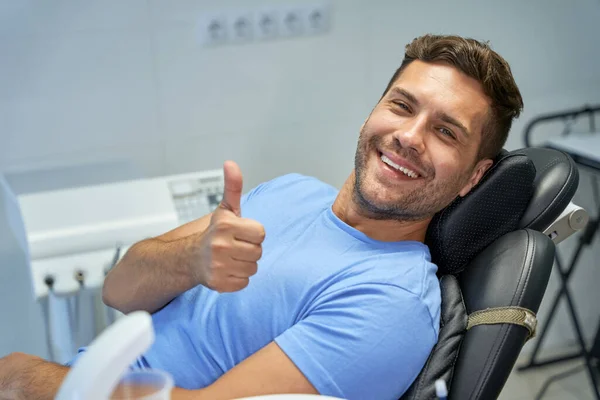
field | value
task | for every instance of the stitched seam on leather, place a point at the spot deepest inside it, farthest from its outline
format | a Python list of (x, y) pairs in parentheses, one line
[(503, 339), (428, 363), (462, 300), (453, 363), (526, 258), (529, 261), (442, 322), (564, 190), (550, 164), (561, 194), (426, 366)]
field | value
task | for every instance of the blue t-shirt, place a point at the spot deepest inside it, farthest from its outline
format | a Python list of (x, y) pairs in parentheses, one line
[(357, 316)]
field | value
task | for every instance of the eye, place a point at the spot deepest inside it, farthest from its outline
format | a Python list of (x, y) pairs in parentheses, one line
[(402, 105), (446, 132)]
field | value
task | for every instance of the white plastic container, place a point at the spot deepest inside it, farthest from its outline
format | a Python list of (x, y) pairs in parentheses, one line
[(144, 385)]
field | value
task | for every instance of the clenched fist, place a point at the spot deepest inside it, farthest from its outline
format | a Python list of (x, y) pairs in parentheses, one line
[(231, 245)]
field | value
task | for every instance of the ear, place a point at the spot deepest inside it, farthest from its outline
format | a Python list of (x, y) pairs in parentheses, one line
[(478, 171)]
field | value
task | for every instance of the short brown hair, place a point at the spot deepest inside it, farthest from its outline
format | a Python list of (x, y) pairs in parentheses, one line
[(478, 61)]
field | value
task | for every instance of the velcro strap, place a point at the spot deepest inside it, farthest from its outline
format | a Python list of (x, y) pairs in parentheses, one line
[(505, 315)]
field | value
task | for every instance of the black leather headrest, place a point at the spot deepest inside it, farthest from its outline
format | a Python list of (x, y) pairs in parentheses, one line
[(556, 182), (493, 208)]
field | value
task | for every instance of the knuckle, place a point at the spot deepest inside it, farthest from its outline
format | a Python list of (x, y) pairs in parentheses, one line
[(217, 266), (257, 229), (218, 245), (222, 224)]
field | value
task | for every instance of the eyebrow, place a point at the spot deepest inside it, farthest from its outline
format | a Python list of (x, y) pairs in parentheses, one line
[(402, 92), (453, 121), (441, 115)]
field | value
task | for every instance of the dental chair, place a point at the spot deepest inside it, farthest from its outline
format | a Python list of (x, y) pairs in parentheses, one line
[(494, 255), (494, 264)]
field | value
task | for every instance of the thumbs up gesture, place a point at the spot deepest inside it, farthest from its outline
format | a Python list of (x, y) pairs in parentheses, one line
[(231, 245)]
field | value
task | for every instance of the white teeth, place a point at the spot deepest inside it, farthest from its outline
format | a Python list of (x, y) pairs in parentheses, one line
[(406, 171)]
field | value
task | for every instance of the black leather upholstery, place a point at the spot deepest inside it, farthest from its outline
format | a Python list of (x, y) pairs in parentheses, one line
[(555, 185), (469, 224), (512, 271)]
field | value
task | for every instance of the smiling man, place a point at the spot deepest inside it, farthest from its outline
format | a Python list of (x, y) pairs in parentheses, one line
[(296, 287)]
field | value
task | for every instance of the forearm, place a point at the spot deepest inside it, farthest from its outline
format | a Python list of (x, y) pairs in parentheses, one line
[(209, 393), (40, 380), (150, 275), (184, 394)]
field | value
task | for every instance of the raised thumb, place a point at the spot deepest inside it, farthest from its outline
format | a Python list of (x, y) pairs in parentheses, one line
[(232, 193)]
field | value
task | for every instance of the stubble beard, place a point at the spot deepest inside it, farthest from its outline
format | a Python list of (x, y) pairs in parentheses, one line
[(416, 204)]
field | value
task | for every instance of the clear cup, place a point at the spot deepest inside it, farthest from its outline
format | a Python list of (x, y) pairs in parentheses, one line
[(149, 384)]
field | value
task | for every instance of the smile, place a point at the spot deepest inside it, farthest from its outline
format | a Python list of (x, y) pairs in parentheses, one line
[(397, 167)]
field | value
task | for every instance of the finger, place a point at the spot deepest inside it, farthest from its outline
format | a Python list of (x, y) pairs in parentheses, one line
[(234, 284), (232, 192), (249, 230), (241, 269), (245, 251)]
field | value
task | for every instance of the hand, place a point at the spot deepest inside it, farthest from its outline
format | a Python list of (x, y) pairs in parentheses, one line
[(231, 245)]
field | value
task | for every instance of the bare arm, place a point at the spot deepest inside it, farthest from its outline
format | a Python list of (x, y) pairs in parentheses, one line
[(268, 371), (154, 271), (219, 251), (23, 376)]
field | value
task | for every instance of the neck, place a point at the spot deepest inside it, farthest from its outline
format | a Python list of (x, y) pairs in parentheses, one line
[(383, 230)]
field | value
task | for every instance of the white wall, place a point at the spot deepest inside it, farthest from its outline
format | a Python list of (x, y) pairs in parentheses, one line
[(84, 81)]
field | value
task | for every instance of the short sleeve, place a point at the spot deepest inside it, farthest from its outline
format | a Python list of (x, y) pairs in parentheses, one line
[(368, 341)]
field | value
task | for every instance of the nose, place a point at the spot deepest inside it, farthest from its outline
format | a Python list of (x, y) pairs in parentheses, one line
[(411, 134)]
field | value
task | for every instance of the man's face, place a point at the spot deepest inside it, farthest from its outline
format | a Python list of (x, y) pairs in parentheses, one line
[(417, 150)]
